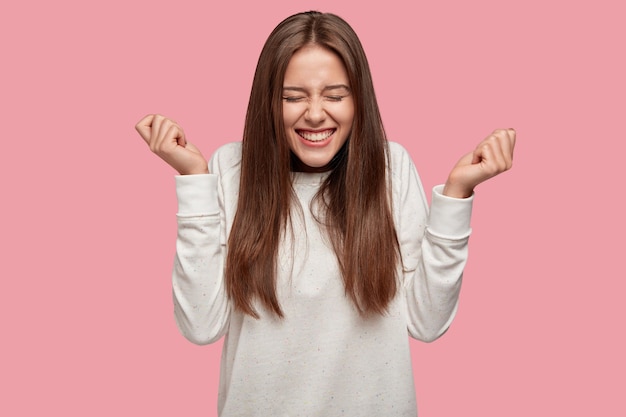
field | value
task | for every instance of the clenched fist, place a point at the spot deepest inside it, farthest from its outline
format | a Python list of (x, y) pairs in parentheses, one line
[(166, 139), (491, 157)]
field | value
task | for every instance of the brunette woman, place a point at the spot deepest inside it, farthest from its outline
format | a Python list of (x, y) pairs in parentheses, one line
[(310, 245)]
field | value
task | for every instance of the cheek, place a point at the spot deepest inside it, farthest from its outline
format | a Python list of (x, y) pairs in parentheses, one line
[(347, 116), (290, 115), (347, 112), (285, 116)]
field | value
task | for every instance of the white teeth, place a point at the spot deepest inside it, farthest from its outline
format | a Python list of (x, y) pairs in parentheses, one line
[(316, 136)]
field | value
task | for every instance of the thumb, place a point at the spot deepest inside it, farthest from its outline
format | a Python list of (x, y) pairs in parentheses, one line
[(476, 157), (181, 140), (189, 146), (144, 127)]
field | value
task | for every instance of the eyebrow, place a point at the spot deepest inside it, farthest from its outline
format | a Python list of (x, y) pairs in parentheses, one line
[(327, 88)]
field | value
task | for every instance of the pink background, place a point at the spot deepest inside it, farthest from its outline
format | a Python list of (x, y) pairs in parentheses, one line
[(88, 226)]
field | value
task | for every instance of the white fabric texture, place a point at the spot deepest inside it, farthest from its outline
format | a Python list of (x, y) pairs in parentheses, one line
[(322, 358)]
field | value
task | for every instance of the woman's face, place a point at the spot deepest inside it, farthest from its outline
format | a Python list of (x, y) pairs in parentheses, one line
[(318, 108)]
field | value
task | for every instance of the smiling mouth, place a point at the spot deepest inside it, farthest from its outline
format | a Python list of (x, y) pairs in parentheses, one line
[(315, 136)]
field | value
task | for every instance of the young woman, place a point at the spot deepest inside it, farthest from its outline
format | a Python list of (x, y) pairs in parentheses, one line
[(310, 245)]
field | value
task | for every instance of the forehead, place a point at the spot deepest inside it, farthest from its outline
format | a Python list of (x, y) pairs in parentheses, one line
[(314, 66)]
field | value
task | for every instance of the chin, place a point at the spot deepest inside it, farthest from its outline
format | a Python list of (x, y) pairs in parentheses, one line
[(304, 164)]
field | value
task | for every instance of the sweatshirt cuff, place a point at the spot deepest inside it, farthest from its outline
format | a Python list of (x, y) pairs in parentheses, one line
[(450, 217), (197, 194)]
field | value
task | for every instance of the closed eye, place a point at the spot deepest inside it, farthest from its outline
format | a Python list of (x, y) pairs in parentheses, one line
[(293, 99)]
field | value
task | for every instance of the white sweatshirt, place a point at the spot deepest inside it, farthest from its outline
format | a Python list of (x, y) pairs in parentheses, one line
[(322, 358)]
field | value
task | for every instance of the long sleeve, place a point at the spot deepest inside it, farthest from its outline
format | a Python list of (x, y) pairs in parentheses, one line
[(201, 306), (434, 250)]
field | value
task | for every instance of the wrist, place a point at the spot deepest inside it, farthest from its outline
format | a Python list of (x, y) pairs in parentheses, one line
[(200, 170), (457, 190)]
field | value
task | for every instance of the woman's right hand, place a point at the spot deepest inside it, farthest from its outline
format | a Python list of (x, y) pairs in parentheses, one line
[(166, 139)]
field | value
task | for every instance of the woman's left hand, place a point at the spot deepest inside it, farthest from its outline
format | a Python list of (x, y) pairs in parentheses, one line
[(491, 157)]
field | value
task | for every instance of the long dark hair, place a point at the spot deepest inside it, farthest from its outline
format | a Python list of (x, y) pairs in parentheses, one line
[(354, 199)]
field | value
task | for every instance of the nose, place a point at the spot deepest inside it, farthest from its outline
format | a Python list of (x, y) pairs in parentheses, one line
[(315, 112)]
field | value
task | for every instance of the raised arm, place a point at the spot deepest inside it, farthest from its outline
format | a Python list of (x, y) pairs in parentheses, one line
[(434, 243), (201, 306)]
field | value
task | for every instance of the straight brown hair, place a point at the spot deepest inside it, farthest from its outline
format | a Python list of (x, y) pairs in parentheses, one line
[(354, 199)]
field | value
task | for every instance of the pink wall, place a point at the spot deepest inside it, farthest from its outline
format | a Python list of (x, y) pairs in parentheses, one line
[(88, 227)]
